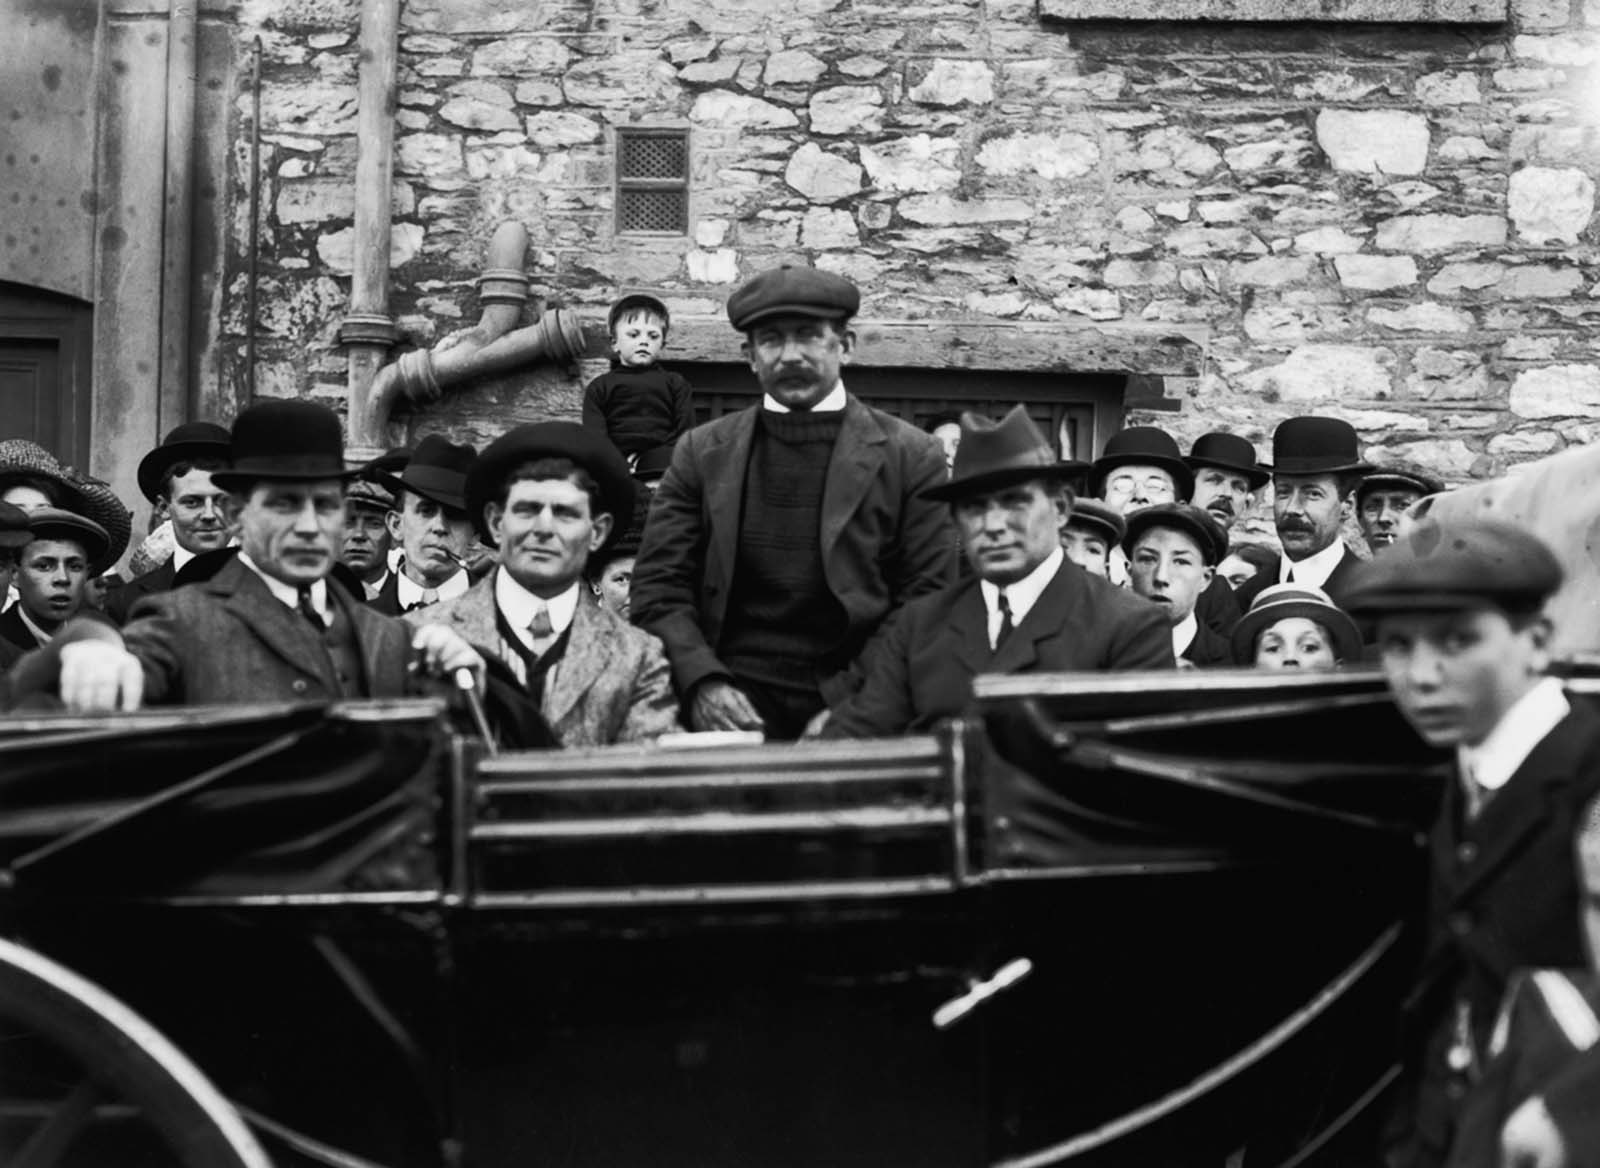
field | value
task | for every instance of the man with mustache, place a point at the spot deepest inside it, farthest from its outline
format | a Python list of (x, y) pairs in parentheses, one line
[(367, 539), (1316, 466), (431, 525), (1384, 497), (784, 536)]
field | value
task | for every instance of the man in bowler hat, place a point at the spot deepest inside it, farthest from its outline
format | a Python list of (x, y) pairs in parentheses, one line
[(271, 624), (1459, 615), (1316, 466), (1385, 495), (548, 496), (1025, 610), (431, 526), (784, 536)]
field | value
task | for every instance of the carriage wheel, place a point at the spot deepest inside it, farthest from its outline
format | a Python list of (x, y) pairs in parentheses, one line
[(84, 1076)]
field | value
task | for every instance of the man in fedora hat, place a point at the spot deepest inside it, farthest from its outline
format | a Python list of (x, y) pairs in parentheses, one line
[(52, 576), (271, 624), (1316, 465), (1173, 551), (783, 536), (548, 496), (431, 526), (176, 478), (1386, 493), (1025, 610)]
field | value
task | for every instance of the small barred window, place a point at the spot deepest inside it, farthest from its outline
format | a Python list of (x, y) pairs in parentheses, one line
[(653, 181)]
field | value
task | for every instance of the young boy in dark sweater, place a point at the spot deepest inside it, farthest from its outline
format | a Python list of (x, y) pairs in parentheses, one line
[(639, 405)]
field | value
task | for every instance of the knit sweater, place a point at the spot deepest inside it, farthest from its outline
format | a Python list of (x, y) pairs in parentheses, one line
[(639, 409)]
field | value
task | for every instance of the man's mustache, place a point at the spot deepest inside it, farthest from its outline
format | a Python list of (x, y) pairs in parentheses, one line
[(1295, 525), (1221, 503)]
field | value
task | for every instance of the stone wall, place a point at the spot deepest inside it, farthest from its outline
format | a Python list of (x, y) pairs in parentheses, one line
[(1392, 223)]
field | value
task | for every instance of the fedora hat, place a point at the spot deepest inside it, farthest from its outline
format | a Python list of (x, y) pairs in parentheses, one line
[(587, 448), (1143, 446), (437, 470), (1309, 445), (994, 454), (1196, 522), (55, 523), (88, 496), (1283, 601), (1398, 476), (288, 439), (185, 443), (1229, 452), (1104, 521)]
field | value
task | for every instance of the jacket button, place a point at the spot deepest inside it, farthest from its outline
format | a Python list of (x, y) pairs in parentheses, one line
[(1467, 852), (299, 685), (1460, 923)]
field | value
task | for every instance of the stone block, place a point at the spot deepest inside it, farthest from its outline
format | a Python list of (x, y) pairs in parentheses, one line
[(1455, 278), (1388, 11), (1327, 241), (720, 266), (827, 229), (558, 129), (917, 163), (1214, 241), (820, 176), (540, 93), (717, 72), (336, 249), (1375, 273), (1540, 282), (944, 211), (522, 56), (1542, 15), (1447, 375), (847, 109), (1050, 156), (953, 82), (793, 67), (1140, 274), (723, 109), (1518, 444), (1463, 148), (1321, 372), (1556, 391), (470, 113), (1175, 155), (1546, 143), (427, 154), (1526, 348), (1440, 232), (1450, 458), (1006, 304), (1449, 89), (1409, 194), (312, 108), (862, 66), (1271, 271), (1550, 205), (1363, 141), (1577, 48), (1095, 303), (1421, 318)]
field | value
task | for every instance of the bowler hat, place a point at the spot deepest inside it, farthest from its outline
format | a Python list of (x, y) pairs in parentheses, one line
[(1398, 476), (1284, 601), (185, 443), (1106, 522), (1143, 446), (995, 454), (437, 470), (1309, 446), (638, 302), (1229, 452), (1195, 522), (54, 523), (288, 439), (1455, 564), (73, 490), (587, 448), (792, 291)]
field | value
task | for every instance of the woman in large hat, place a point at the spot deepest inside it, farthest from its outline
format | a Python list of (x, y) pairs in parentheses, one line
[(31, 477)]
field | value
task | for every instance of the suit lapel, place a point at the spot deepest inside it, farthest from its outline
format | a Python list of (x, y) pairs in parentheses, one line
[(724, 466), (969, 626), (473, 614), (588, 655), (857, 459), (1044, 619), (274, 623)]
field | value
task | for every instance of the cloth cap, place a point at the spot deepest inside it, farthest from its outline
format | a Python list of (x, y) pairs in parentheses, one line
[(1456, 564), (1283, 601), (1398, 476), (81, 493), (13, 526), (1308, 445), (793, 291), (185, 443), (1229, 452), (54, 523), (1106, 522), (1143, 446), (437, 470), (996, 454), (1196, 522), (287, 439), (585, 447), (365, 492)]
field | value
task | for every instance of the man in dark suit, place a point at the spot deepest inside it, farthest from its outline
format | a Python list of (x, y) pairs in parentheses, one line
[(176, 478), (270, 625), (430, 524), (1459, 616), (1173, 551), (1316, 466), (784, 536), (1028, 609)]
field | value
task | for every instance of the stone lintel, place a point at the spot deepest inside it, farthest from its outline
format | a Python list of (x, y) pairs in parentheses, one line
[(1336, 11)]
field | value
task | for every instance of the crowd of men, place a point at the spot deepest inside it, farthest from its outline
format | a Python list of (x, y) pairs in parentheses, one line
[(814, 566)]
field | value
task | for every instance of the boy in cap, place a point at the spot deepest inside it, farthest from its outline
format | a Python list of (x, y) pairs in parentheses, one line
[(1026, 610), (52, 576), (1173, 550), (431, 526), (1091, 531), (1384, 497), (785, 535), (1458, 610), (638, 405)]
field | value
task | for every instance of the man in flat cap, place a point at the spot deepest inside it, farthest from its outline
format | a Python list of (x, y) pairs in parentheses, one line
[(176, 478), (1026, 609), (1091, 531), (1459, 614), (1316, 466), (1173, 551), (783, 536), (548, 496), (430, 524), (1385, 495), (367, 538)]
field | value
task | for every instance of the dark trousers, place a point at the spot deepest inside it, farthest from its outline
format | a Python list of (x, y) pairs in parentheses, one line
[(784, 709)]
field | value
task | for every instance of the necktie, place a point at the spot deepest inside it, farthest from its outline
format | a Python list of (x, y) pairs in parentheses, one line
[(1005, 621), (308, 610), (1477, 793), (1289, 579), (542, 631)]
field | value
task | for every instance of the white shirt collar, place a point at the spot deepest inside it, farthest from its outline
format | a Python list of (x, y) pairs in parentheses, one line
[(410, 592), (1313, 570), (38, 633), (375, 587), (1521, 728), (180, 556), (1021, 596), (288, 593), (518, 605), (1183, 634), (831, 404)]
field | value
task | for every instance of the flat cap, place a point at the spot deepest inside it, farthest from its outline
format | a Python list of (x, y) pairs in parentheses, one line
[(53, 523), (367, 493), (1195, 522), (1398, 476), (1094, 516), (1461, 563), (792, 291)]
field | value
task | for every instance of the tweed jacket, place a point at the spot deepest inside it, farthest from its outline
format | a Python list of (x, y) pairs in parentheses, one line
[(611, 685), (923, 669), (229, 639), (120, 603), (881, 543), (1268, 576)]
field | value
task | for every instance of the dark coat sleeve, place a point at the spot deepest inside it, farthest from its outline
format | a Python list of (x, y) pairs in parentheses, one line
[(883, 705), (594, 404), (1140, 640), (682, 404)]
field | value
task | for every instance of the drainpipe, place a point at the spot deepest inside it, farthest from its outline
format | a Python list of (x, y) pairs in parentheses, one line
[(492, 346), (368, 332), (177, 393)]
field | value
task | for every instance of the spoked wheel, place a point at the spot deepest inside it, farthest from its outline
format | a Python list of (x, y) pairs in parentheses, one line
[(86, 1081)]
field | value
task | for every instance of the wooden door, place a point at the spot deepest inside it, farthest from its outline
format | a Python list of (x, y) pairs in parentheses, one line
[(44, 371)]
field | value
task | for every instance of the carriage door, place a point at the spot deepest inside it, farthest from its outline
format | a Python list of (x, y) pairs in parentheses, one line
[(44, 371)]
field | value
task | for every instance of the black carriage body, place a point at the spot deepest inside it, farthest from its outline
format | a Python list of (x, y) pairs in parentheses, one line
[(1157, 917)]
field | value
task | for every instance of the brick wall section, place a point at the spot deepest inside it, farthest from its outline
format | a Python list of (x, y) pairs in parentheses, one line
[(1389, 223)]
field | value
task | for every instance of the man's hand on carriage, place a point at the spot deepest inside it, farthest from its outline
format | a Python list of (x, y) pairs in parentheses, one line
[(440, 651), (100, 676)]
